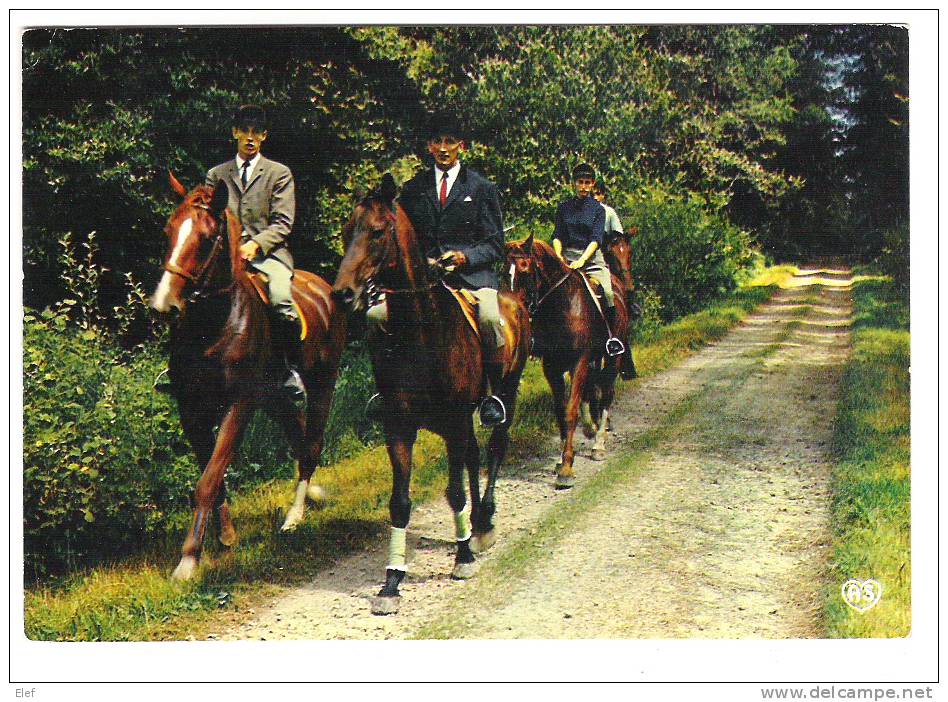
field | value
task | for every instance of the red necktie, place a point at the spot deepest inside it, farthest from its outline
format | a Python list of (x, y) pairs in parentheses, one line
[(444, 189)]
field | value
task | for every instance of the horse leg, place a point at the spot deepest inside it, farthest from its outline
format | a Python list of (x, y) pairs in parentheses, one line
[(306, 437), (399, 443), (554, 377), (484, 533), (605, 388), (472, 460), (208, 487), (198, 425), (565, 477), (458, 443), (589, 409)]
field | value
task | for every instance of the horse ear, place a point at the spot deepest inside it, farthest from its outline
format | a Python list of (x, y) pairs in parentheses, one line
[(528, 244), (219, 198), (175, 185), (388, 190)]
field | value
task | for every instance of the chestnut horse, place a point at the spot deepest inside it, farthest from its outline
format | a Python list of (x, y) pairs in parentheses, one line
[(223, 365), (429, 370), (570, 337), (617, 250)]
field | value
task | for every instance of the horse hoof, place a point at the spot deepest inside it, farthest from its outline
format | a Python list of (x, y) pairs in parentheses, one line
[(185, 569), (564, 482), (482, 542), (293, 519), (228, 537), (463, 571), (385, 605), (599, 454), (317, 495)]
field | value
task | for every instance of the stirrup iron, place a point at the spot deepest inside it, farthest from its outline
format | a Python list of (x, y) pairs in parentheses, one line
[(614, 347), (492, 411)]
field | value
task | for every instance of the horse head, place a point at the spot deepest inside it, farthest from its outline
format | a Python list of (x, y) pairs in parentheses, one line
[(371, 240), (524, 268), (194, 245), (618, 253)]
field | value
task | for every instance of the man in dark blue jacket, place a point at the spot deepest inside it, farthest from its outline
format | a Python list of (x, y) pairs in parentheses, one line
[(456, 213), (578, 228)]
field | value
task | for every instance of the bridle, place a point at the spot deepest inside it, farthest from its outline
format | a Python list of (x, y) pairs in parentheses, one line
[(199, 279), (372, 291), (534, 302)]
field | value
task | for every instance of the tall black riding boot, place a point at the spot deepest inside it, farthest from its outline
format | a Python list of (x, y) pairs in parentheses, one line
[(288, 341), (492, 411)]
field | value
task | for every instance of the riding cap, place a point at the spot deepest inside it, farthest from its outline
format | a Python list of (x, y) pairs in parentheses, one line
[(584, 170), (444, 124), (250, 116)]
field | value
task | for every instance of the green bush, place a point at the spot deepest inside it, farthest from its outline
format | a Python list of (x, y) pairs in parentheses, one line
[(105, 463), (894, 258), (682, 253), (647, 327), (103, 456)]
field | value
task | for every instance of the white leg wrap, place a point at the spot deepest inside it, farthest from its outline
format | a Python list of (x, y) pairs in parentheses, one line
[(299, 502), (462, 523), (396, 550), (600, 443), (295, 514)]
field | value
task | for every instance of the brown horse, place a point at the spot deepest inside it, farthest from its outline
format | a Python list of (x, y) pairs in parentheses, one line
[(617, 250), (430, 373), (570, 336), (223, 365)]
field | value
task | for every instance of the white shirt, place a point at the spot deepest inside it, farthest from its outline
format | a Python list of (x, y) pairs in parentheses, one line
[(612, 219), (452, 176), (253, 164)]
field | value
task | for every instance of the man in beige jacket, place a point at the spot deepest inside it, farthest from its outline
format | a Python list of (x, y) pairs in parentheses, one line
[(261, 195)]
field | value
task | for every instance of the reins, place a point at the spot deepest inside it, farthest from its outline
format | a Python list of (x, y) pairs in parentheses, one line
[(534, 306), (549, 292)]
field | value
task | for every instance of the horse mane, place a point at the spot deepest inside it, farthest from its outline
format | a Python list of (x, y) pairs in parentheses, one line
[(238, 268), (546, 257), (415, 266), (242, 335)]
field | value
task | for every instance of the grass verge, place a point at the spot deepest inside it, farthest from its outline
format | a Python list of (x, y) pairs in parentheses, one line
[(872, 506), (134, 600)]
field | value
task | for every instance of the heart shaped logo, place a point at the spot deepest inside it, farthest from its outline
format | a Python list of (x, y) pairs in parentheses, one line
[(862, 595)]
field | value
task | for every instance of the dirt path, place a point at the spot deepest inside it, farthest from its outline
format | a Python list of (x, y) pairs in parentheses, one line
[(720, 530)]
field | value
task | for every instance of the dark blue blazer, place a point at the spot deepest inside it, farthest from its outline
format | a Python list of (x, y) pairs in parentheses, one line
[(579, 222), (471, 222)]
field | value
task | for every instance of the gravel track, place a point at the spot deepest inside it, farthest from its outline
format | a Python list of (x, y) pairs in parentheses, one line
[(720, 531)]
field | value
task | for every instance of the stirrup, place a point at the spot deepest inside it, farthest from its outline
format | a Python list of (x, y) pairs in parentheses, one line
[(614, 346), (492, 411), (373, 408), (163, 383), (294, 388)]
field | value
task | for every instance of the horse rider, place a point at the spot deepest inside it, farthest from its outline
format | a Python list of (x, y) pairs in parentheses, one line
[(612, 219), (456, 213), (614, 225), (579, 227), (261, 195)]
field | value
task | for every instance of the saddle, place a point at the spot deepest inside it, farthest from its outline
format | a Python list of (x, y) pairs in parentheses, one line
[(260, 283), (468, 304), (614, 346)]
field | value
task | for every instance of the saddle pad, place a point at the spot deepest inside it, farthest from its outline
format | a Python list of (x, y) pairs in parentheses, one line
[(468, 304), (259, 282)]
